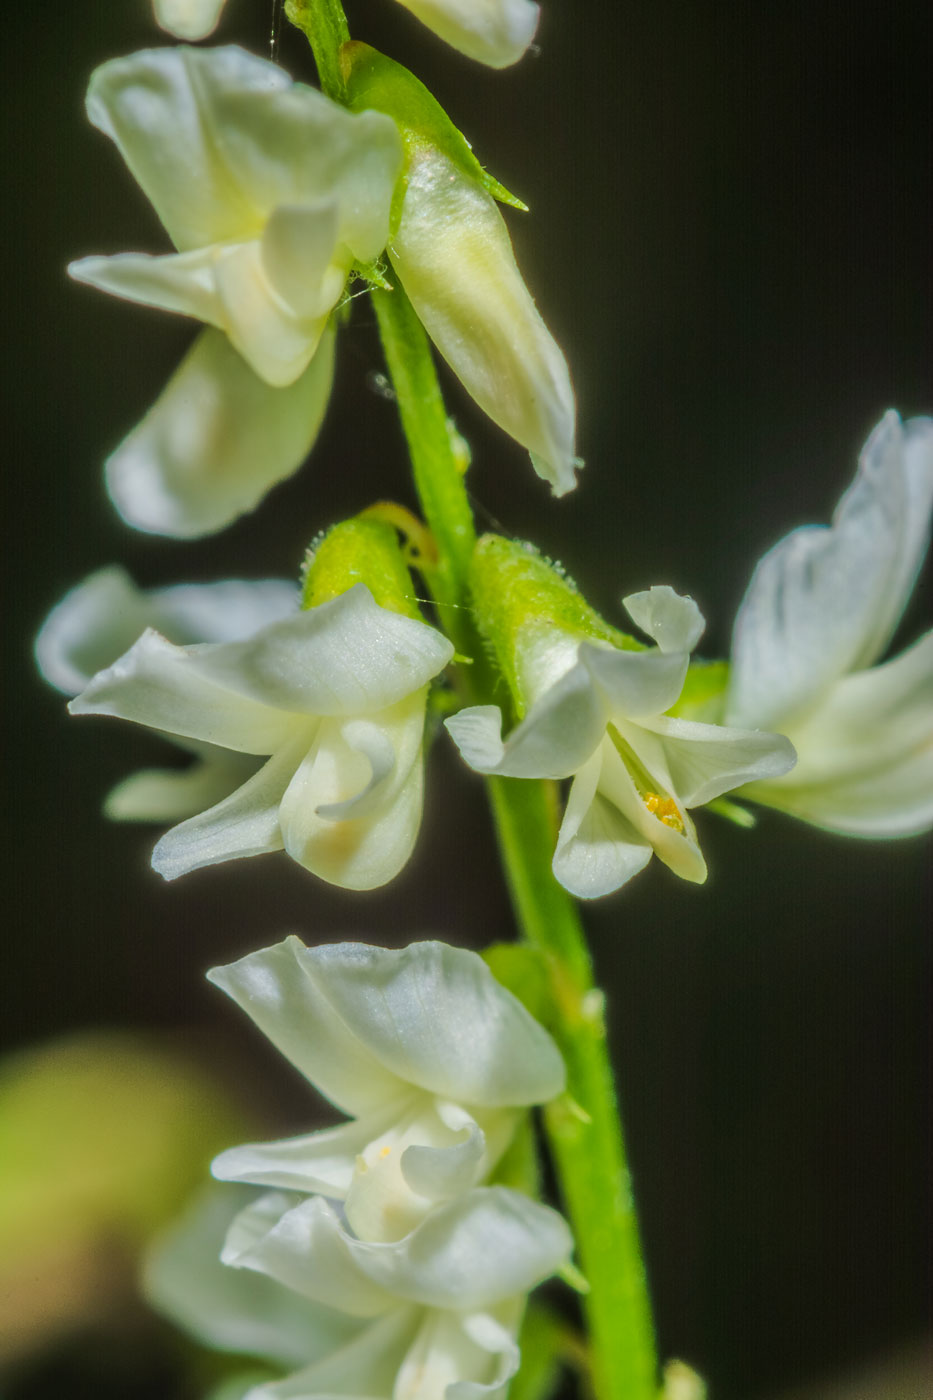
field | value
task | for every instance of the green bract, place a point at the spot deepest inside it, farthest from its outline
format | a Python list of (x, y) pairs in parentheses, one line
[(360, 551)]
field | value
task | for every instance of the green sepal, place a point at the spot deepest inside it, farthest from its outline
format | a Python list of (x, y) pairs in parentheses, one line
[(519, 597), (704, 692), (359, 551), (377, 83)]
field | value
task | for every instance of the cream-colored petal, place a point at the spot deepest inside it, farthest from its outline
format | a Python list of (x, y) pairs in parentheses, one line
[(495, 32), (453, 254), (598, 850), (188, 19), (244, 824), (181, 282), (674, 622), (170, 795), (217, 439), (164, 687)]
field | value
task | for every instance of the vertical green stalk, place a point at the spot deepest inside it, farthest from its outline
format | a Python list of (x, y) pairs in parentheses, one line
[(438, 478), (324, 24), (584, 1130)]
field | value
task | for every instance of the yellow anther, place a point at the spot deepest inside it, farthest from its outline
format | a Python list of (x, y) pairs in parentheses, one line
[(384, 1152), (665, 809)]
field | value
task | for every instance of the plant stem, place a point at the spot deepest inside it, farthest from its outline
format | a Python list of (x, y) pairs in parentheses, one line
[(437, 472), (324, 24), (585, 1130)]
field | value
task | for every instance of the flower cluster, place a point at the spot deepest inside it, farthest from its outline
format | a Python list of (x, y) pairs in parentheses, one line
[(390, 1257), (410, 1268)]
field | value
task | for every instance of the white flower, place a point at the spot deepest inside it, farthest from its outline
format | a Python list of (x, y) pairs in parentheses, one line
[(496, 32), (445, 1301), (821, 608), (434, 1060), (336, 695), (453, 254), (270, 193), (101, 617), (188, 19), (597, 714)]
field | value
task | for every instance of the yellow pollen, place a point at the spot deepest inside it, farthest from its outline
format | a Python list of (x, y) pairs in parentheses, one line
[(664, 808), (385, 1151)]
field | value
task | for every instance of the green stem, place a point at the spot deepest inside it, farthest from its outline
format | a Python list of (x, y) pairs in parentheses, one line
[(584, 1130), (325, 26), (438, 474)]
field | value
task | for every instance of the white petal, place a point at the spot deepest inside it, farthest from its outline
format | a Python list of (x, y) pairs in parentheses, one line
[(674, 622), (346, 657), (705, 760), (284, 991), (188, 19), (453, 255), (181, 282), (597, 850), (298, 245), (674, 842), (471, 1253), (244, 824), (366, 1367), (304, 1247), (419, 1150), (496, 32), (169, 794), (635, 684), (217, 439), (228, 1309), (167, 688), (220, 612), (94, 623), (555, 738), (866, 756), (277, 344), (413, 1008), (321, 1162), (169, 100), (352, 811), (824, 600), (458, 1356)]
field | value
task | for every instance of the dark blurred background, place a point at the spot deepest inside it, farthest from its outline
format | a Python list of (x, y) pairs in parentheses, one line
[(730, 236)]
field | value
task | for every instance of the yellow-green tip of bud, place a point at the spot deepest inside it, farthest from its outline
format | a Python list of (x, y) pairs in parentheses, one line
[(359, 551), (524, 605)]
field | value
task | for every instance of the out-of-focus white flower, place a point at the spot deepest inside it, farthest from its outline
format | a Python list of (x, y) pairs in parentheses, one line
[(445, 1301), (188, 19), (434, 1060), (496, 32), (101, 617), (335, 695), (453, 254), (234, 1310), (821, 608), (596, 713), (270, 193)]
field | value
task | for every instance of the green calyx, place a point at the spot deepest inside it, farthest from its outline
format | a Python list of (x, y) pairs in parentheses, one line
[(704, 692), (521, 600), (359, 551), (376, 83)]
